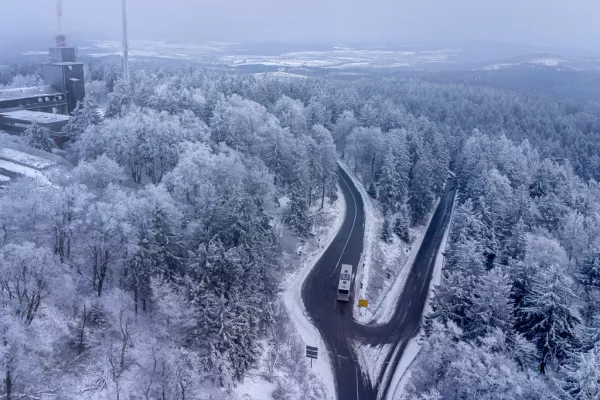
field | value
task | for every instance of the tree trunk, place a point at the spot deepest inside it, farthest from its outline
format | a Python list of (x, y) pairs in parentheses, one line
[(182, 391), (81, 332), (8, 384), (323, 196), (135, 299)]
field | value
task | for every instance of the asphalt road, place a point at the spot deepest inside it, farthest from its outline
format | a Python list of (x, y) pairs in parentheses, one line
[(334, 318)]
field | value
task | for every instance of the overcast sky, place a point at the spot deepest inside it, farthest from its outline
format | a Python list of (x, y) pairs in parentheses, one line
[(561, 23)]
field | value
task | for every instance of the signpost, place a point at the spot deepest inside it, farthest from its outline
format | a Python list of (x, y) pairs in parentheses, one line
[(363, 303), (312, 352)]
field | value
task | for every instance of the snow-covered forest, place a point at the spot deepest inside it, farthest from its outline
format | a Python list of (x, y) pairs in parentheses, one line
[(152, 269)]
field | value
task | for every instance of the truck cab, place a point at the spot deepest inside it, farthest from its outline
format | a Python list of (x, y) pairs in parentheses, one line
[(345, 284)]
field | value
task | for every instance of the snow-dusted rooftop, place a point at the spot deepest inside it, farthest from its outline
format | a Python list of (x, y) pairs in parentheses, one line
[(25, 93), (35, 116)]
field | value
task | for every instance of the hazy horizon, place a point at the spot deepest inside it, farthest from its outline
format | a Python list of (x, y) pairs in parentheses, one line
[(551, 23)]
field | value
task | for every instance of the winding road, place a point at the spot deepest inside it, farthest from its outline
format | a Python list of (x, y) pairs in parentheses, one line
[(334, 318)]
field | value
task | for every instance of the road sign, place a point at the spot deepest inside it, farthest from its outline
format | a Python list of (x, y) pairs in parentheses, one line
[(312, 353), (363, 303)]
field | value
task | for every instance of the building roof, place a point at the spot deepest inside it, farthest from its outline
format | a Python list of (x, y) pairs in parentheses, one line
[(35, 116), (26, 93)]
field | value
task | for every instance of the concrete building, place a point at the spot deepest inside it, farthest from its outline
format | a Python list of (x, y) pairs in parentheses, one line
[(64, 87), (38, 98), (18, 121)]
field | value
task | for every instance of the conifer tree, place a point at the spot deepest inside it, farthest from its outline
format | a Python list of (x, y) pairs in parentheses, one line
[(402, 223), (546, 317), (386, 229), (372, 190)]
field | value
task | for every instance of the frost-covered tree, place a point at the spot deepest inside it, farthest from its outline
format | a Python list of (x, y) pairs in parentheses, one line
[(372, 190), (105, 231), (517, 247), (386, 229), (420, 196), (327, 158), (390, 192), (492, 307), (402, 223), (582, 379), (546, 317), (291, 114), (145, 142), (342, 129), (84, 116), (120, 98), (39, 137)]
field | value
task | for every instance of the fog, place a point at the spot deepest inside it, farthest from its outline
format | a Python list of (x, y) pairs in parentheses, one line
[(557, 23)]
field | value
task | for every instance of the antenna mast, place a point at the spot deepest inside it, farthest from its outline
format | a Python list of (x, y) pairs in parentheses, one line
[(61, 39), (125, 45)]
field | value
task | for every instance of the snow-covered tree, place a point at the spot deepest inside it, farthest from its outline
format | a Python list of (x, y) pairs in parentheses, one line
[(390, 193), (402, 223), (583, 378), (39, 137), (420, 196), (291, 114), (372, 190), (84, 115), (386, 229), (546, 317), (492, 307)]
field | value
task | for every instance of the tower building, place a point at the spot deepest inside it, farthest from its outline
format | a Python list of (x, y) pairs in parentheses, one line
[(64, 87)]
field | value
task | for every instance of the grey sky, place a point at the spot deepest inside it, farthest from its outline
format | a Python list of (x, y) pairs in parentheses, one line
[(563, 23)]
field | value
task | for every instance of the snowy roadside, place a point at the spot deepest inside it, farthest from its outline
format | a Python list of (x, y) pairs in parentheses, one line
[(384, 267), (402, 374), (385, 304), (258, 386)]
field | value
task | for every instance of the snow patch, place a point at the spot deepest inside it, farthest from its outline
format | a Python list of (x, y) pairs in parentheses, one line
[(25, 171), (25, 159), (254, 388), (384, 309), (371, 358)]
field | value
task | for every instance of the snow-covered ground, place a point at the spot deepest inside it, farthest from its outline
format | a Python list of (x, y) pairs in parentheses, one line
[(371, 358), (402, 374), (25, 159), (280, 74), (25, 171), (328, 222), (397, 259), (236, 54)]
